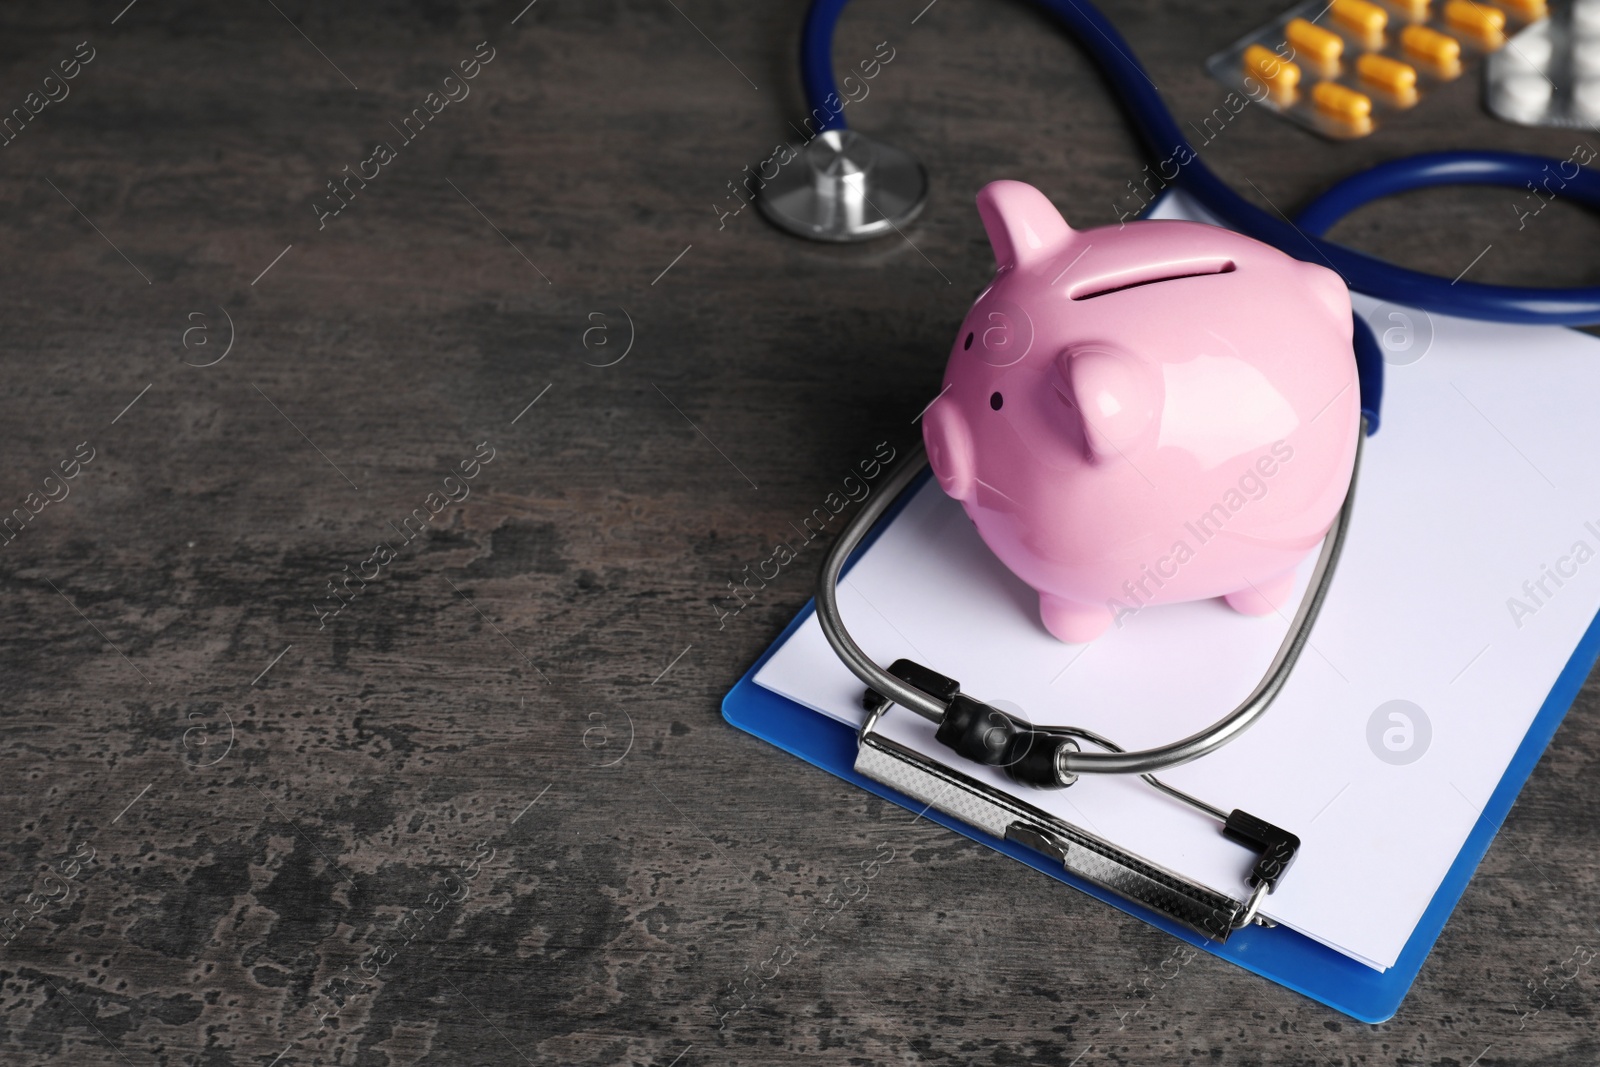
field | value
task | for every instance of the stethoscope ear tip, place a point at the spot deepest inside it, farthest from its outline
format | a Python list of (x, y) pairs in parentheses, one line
[(842, 187)]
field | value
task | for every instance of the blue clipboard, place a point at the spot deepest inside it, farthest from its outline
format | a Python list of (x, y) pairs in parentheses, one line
[(1279, 954)]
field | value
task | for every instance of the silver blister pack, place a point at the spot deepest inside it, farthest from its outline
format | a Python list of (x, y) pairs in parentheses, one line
[(1549, 74)]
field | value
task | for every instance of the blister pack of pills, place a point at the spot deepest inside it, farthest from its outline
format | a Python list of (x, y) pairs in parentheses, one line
[(1338, 68), (1549, 74)]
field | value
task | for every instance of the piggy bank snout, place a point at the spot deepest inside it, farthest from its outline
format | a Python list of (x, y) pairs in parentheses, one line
[(1116, 396), (950, 450)]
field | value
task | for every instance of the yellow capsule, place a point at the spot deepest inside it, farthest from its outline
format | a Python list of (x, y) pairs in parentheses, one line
[(1360, 15), (1324, 46), (1388, 74), (1437, 48), (1527, 10), (1484, 23), (1280, 75), (1341, 102), (1416, 9)]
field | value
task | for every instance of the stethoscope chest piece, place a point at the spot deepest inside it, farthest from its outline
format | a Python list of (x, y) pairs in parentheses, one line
[(845, 187)]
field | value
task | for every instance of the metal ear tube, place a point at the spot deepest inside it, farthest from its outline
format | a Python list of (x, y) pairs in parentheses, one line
[(1052, 757), (934, 702)]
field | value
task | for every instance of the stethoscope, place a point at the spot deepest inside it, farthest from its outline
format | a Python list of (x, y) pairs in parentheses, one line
[(831, 165), (846, 187)]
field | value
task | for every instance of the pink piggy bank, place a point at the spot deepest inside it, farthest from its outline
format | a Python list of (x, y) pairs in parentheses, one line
[(1156, 413)]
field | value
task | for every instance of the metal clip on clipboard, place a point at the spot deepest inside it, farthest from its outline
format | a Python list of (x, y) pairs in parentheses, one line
[(1053, 758), (947, 789)]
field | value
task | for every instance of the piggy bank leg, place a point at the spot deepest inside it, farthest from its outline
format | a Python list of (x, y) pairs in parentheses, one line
[(1073, 621), (1263, 598)]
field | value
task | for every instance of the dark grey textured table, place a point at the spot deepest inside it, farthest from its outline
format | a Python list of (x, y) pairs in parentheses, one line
[(282, 798)]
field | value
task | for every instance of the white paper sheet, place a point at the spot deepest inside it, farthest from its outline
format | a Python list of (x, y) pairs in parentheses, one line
[(1482, 478)]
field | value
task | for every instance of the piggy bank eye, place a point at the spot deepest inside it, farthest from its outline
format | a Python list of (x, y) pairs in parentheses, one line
[(967, 344), (1006, 333), (996, 401)]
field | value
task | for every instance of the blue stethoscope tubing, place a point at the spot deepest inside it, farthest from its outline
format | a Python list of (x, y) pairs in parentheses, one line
[(1575, 306)]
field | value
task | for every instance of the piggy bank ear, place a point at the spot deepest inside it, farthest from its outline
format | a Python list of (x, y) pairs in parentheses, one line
[(1023, 226), (1118, 398), (950, 453), (1329, 289)]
